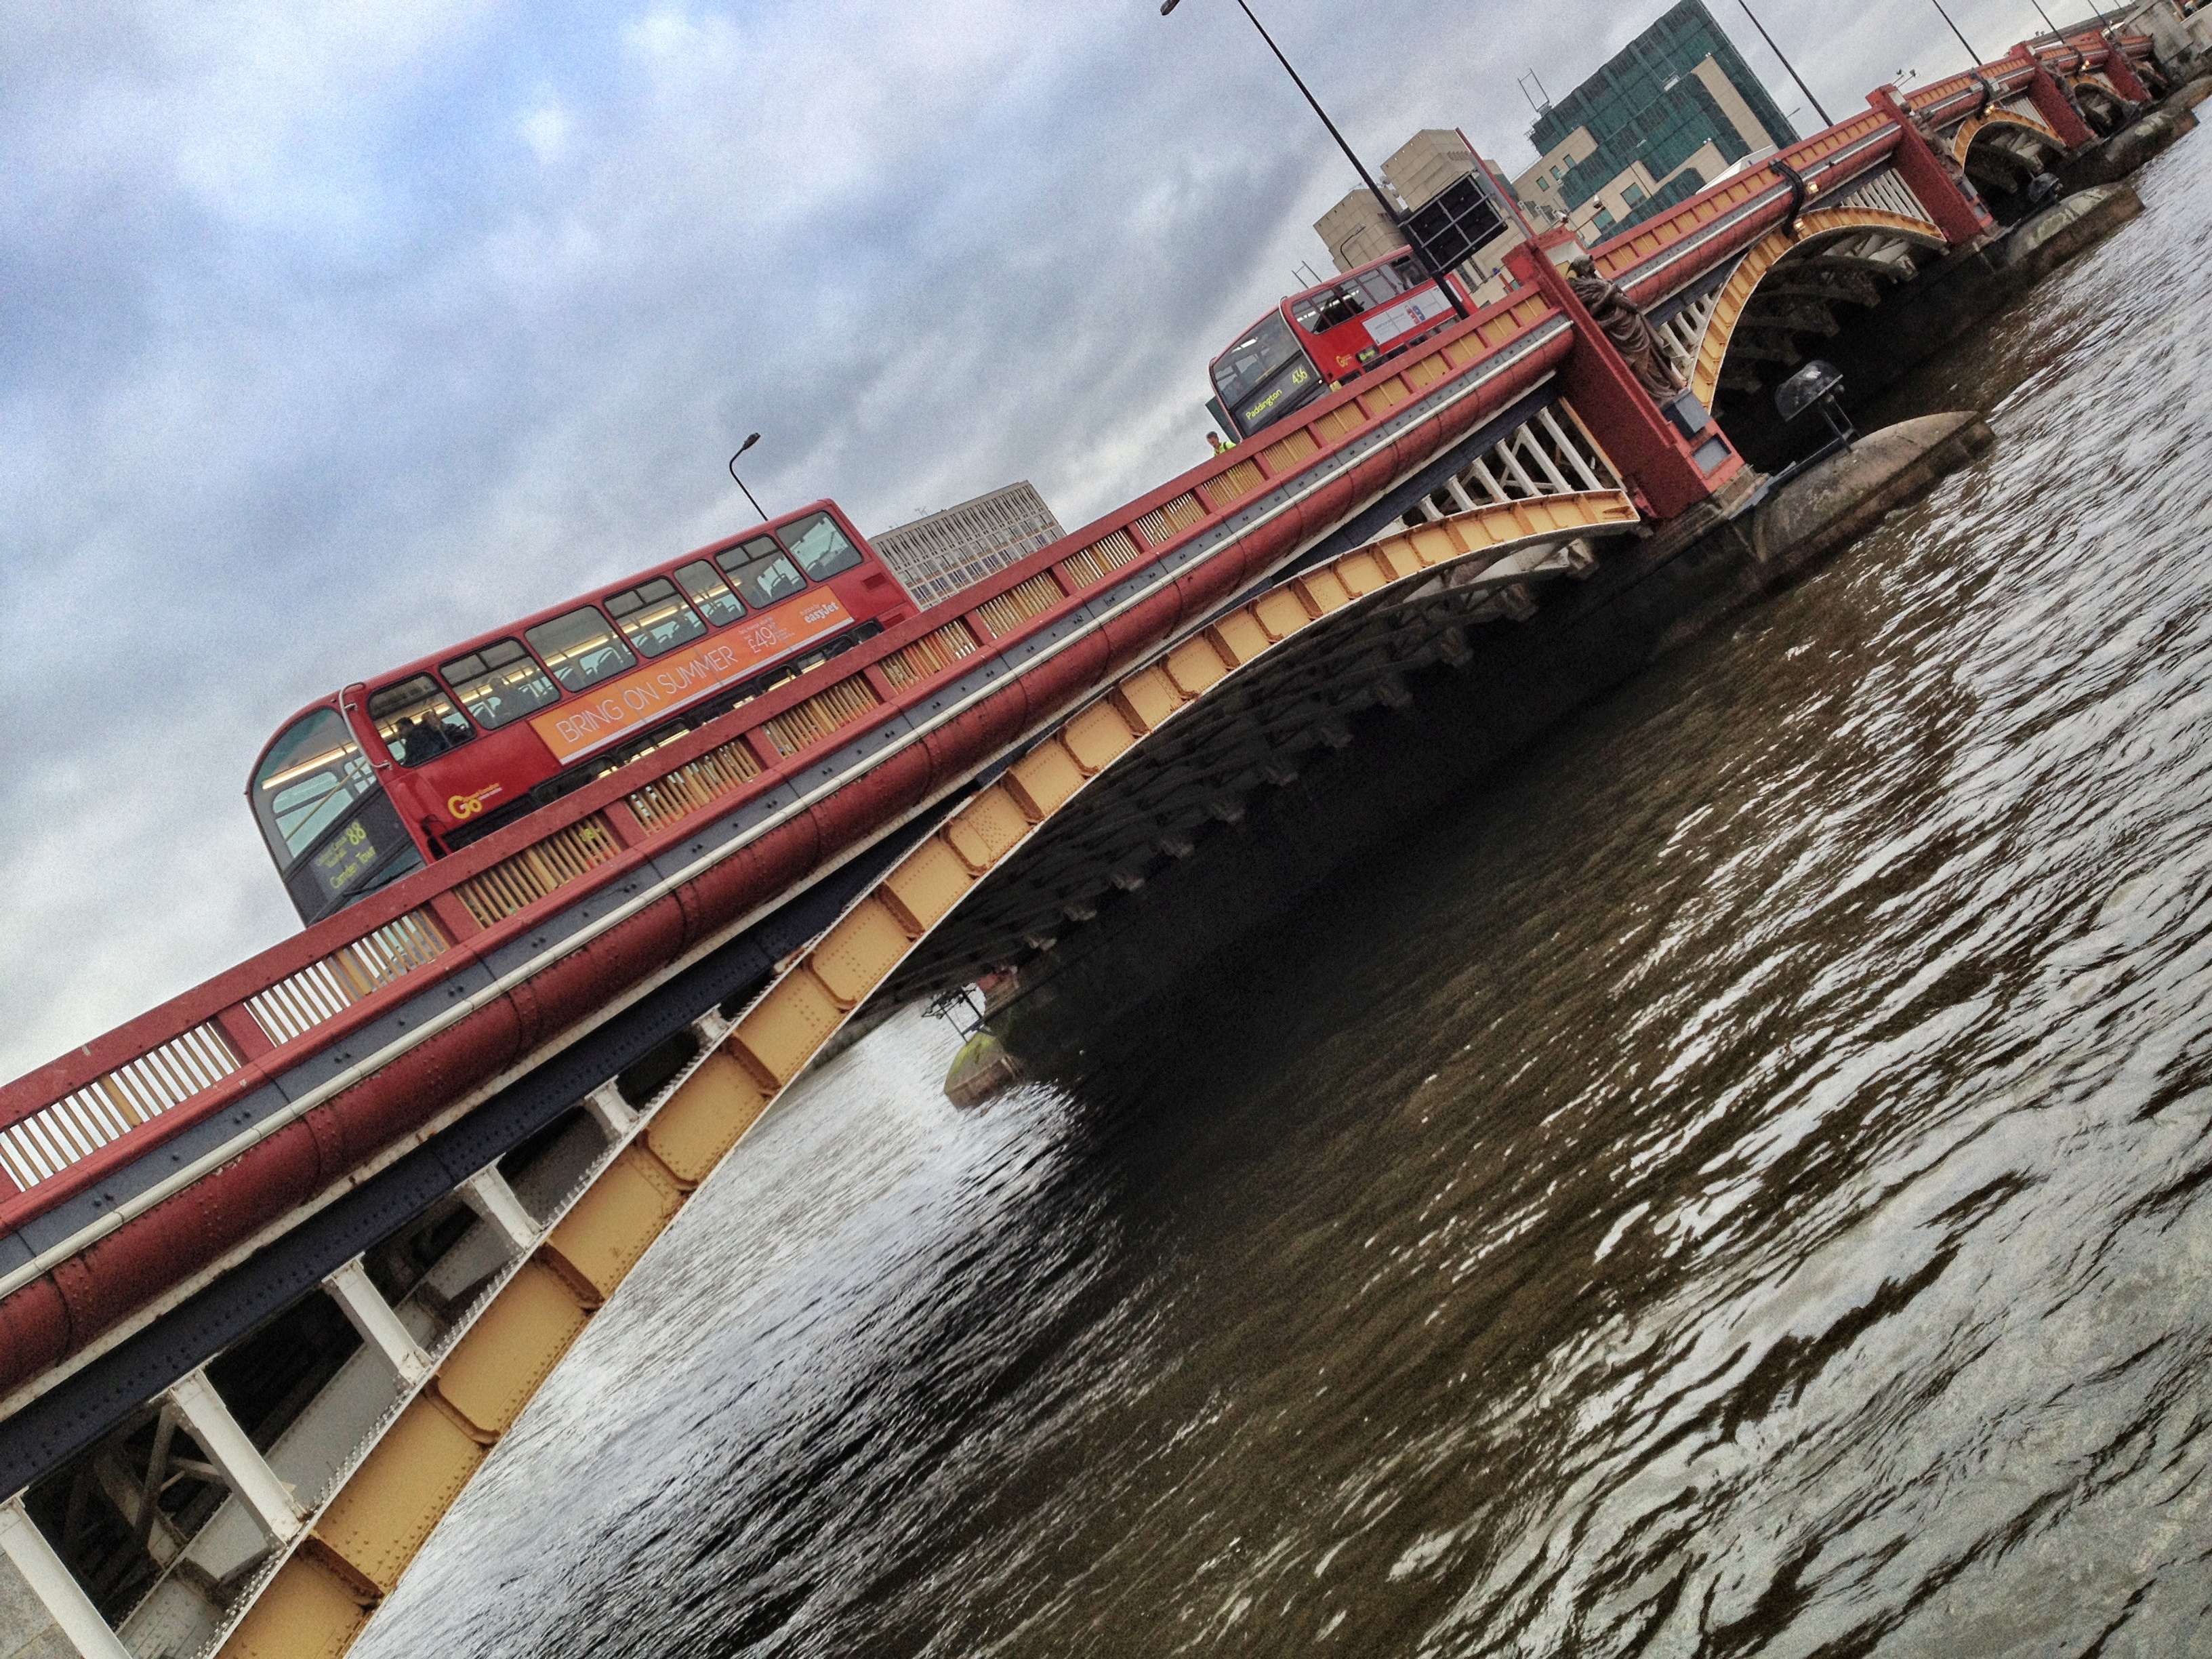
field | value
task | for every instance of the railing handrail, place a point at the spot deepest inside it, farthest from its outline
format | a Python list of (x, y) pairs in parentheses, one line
[(1741, 206)]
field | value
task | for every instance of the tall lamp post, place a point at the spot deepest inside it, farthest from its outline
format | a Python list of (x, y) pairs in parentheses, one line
[(1956, 30), (749, 441), (1786, 63), (1420, 253)]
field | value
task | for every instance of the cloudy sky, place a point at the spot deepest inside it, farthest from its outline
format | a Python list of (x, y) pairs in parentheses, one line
[(329, 334)]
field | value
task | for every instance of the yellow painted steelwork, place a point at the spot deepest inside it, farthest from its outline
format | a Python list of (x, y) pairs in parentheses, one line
[(703, 1119), (1446, 539), (1238, 637), (1193, 665), (497, 1365), (1096, 737), (1752, 269), (608, 1229), (928, 885), (1323, 590), (1042, 780), (310, 1611), (1361, 573), (855, 956), (1146, 698), (1280, 613), (984, 830), (321, 1596), (1972, 128), (782, 1030), (383, 1513)]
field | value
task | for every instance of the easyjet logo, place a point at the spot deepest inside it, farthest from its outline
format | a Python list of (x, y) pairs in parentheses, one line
[(467, 806)]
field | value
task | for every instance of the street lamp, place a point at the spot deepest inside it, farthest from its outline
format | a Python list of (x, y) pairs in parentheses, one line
[(1955, 29), (1420, 253), (1786, 63), (749, 441)]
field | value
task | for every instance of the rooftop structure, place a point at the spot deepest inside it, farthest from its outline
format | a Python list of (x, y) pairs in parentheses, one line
[(1666, 116), (1358, 230), (946, 551)]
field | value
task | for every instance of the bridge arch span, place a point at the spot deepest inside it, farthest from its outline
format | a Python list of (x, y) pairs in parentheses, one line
[(1547, 488), (2001, 149), (2100, 102), (1783, 288)]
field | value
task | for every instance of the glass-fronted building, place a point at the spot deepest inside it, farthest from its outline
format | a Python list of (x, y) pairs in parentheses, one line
[(1668, 114)]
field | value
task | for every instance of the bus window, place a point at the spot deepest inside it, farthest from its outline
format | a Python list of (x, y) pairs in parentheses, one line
[(499, 684), (417, 721), (817, 543), (653, 618), (579, 648), (709, 593), (1266, 375), (1245, 366), (1317, 313), (1385, 282), (312, 777), (760, 572)]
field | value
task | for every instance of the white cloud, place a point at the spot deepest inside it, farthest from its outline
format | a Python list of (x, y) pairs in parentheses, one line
[(545, 128)]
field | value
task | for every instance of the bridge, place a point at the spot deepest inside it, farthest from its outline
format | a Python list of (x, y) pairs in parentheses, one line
[(283, 1260)]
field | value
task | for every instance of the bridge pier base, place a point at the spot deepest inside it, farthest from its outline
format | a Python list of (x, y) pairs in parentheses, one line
[(2129, 148), (1920, 319)]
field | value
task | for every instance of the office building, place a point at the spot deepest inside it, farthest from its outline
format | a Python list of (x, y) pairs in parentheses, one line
[(946, 551), (1671, 112), (1358, 229)]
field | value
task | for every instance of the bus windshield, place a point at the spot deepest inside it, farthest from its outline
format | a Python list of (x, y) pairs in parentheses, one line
[(310, 779), (1245, 367)]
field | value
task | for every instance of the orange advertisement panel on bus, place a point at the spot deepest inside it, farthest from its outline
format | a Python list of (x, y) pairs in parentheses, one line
[(642, 696)]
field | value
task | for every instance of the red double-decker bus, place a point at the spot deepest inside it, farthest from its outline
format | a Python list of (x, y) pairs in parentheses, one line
[(1318, 339), (375, 780)]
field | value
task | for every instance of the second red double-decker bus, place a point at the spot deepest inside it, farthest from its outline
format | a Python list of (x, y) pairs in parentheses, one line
[(375, 780), (1324, 337)]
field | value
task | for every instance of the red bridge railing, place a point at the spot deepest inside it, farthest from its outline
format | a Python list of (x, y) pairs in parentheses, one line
[(66, 1125)]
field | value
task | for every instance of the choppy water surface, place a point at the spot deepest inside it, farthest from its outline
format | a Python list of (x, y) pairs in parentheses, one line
[(1739, 1185)]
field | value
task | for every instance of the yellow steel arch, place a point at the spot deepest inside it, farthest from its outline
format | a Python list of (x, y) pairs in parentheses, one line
[(1974, 126), (315, 1602), (1822, 225)]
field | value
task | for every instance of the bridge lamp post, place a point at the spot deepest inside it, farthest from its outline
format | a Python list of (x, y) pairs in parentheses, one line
[(1963, 41), (1420, 254), (749, 441), (1786, 63)]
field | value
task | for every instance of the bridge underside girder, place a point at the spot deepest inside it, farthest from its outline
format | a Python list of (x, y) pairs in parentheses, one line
[(1794, 303), (1158, 804)]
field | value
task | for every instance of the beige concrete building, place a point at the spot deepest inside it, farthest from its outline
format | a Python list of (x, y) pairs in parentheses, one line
[(945, 552), (1358, 229)]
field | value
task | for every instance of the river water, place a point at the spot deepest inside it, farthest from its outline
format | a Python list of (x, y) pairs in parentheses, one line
[(1738, 1182)]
